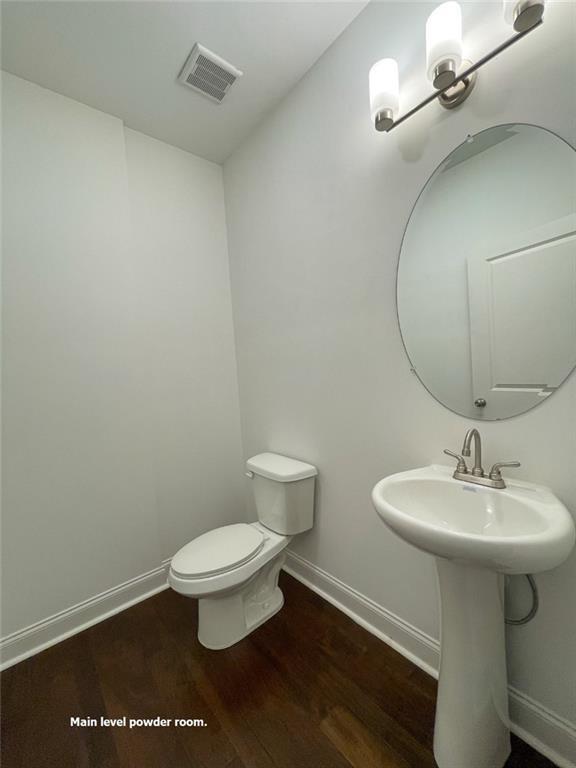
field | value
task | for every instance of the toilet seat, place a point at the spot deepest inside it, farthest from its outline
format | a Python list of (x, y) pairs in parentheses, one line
[(218, 551), (231, 576)]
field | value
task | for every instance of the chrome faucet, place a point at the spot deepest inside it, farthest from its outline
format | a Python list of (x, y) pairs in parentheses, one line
[(476, 475)]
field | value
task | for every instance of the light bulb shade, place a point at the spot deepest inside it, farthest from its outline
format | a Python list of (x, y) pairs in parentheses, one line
[(384, 87), (443, 37), (509, 7), (523, 14)]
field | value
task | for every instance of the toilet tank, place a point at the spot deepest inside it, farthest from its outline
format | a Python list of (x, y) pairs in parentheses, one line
[(284, 492)]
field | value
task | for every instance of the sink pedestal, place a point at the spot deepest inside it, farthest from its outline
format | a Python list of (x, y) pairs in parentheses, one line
[(471, 726), (476, 533)]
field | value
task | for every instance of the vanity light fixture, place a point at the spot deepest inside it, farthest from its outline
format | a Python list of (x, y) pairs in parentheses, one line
[(444, 61)]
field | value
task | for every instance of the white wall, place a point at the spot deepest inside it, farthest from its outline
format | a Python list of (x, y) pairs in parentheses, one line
[(121, 425), (316, 206), (185, 335)]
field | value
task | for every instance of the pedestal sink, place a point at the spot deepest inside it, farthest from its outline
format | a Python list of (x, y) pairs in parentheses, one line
[(475, 534)]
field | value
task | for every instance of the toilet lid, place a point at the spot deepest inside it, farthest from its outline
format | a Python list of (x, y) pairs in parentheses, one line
[(218, 551)]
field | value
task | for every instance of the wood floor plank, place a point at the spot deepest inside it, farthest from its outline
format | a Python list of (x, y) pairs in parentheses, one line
[(207, 747), (325, 686), (277, 716), (126, 657), (308, 689), (43, 693), (403, 690), (359, 745)]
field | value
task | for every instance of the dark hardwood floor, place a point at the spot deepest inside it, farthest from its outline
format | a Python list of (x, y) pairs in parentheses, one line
[(309, 689)]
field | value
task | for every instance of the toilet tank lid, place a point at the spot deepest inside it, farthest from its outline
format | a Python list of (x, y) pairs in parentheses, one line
[(280, 468)]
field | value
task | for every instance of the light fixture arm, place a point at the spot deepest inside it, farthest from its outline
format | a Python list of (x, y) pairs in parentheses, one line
[(465, 75)]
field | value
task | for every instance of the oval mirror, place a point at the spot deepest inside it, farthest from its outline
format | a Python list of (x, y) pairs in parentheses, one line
[(486, 282)]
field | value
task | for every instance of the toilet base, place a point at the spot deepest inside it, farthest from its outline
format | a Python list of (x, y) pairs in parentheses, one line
[(225, 619)]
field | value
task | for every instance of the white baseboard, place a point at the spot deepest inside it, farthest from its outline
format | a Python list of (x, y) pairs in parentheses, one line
[(35, 638), (548, 733)]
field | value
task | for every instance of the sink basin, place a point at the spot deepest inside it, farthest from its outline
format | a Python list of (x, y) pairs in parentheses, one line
[(521, 529), (476, 534)]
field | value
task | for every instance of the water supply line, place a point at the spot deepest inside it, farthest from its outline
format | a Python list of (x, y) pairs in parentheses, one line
[(535, 603)]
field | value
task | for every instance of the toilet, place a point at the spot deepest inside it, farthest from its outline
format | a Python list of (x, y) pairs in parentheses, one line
[(233, 570)]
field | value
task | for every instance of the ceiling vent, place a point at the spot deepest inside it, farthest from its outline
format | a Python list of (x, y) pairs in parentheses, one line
[(208, 73)]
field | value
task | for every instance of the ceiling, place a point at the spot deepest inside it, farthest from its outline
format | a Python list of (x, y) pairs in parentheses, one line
[(124, 57)]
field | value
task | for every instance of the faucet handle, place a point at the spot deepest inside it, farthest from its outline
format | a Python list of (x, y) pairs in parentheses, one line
[(461, 467), (495, 473)]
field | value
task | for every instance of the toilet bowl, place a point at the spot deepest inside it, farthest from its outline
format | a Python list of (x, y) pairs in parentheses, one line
[(233, 570)]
